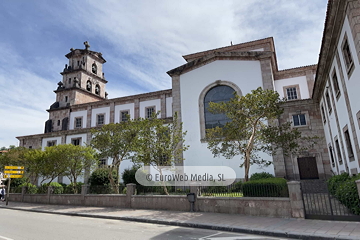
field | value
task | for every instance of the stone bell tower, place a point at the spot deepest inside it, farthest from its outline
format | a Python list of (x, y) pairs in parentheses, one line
[(83, 82)]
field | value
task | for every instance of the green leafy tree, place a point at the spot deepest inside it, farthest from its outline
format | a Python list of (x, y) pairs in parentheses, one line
[(117, 141), (251, 129), (161, 144), (35, 163), (76, 159)]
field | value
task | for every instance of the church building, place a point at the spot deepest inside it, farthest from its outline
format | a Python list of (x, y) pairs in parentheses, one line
[(322, 99)]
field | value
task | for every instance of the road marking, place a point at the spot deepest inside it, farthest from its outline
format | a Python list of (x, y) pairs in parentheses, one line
[(5, 238), (210, 235)]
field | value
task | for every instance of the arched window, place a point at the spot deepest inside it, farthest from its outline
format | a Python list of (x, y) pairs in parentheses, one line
[(88, 85), (220, 93), (97, 89), (94, 68)]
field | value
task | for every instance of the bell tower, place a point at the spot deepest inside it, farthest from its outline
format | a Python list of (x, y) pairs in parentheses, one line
[(83, 81)]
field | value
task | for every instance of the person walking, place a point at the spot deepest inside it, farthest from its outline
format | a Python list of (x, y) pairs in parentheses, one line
[(2, 194)]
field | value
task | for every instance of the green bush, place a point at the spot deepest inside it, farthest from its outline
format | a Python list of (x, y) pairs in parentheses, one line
[(57, 188), (263, 175), (16, 182), (31, 188), (269, 187), (335, 181), (128, 175), (346, 192), (237, 187), (100, 177), (70, 189)]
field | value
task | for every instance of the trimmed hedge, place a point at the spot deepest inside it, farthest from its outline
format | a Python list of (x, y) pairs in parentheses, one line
[(269, 187), (345, 190), (263, 175)]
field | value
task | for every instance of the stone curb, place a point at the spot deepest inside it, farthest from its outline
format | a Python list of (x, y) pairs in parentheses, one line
[(273, 233)]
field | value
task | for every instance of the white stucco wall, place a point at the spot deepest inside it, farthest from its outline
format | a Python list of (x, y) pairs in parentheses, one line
[(122, 107), (103, 110), (246, 75), (301, 81), (150, 103), (74, 115)]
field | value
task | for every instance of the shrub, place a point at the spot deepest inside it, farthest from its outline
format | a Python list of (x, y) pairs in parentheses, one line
[(263, 175), (57, 188), (335, 181), (100, 177), (128, 175), (70, 189), (269, 187), (237, 187), (346, 192), (31, 188), (16, 182)]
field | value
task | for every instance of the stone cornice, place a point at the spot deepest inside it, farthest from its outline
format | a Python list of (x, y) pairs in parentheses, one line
[(335, 16), (219, 56), (295, 72), (84, 71), (79, 52)]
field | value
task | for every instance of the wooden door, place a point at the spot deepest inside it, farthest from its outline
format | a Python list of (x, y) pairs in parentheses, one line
[(308, 168)]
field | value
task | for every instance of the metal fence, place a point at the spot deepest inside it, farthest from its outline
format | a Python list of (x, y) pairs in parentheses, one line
[(159, 190)]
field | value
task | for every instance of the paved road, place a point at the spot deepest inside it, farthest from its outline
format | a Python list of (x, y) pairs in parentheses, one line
[(19, 225)]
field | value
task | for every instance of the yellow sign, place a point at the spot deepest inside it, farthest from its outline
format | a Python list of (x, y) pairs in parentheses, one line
[(13, 176), (20, 172), (14, 167)]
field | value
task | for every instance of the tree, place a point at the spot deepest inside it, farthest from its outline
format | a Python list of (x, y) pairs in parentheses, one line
[(14, 156), (161, 144), (76, 160), (251, 129), (117, 141)]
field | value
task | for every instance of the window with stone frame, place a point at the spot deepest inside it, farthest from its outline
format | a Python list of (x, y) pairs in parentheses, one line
[(88, 85), (100, 119), (337, 145), (336, 85), (348, 144), (331, 156), (349, 63), (328, 101), (76, 141), (78, 122), (102, 162), (69, 80), (94, 68), (51, 143), (97, 89), (149, 111), (291, 93), (124, 115), (299, 120), (219, 93), (58, 122), (323, 113)]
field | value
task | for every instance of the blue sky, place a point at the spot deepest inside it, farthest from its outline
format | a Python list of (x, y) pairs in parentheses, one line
[(141, 40)]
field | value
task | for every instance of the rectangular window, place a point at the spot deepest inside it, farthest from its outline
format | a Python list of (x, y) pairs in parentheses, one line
[(331, 156), (58, 122), (100, 119), (338, 150), (69, 80), (323, 113), (291, 93), (336, 84), (102, 162), (328, 102), (66, 98), (78, 122), (299, 120), (149, 111), (124, 115), (51, 143), (347, 56), (348, 144), (75, 141)]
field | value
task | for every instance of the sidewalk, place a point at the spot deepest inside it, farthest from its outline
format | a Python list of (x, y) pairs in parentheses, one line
[(279, 227)]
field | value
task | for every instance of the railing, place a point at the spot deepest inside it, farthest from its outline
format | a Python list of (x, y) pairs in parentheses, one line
[(159, 190)]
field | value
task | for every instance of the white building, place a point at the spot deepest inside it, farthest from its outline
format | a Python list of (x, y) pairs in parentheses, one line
[(81, 100)]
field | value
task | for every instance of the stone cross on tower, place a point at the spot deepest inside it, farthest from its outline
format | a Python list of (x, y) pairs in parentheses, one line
[(87, 45)]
